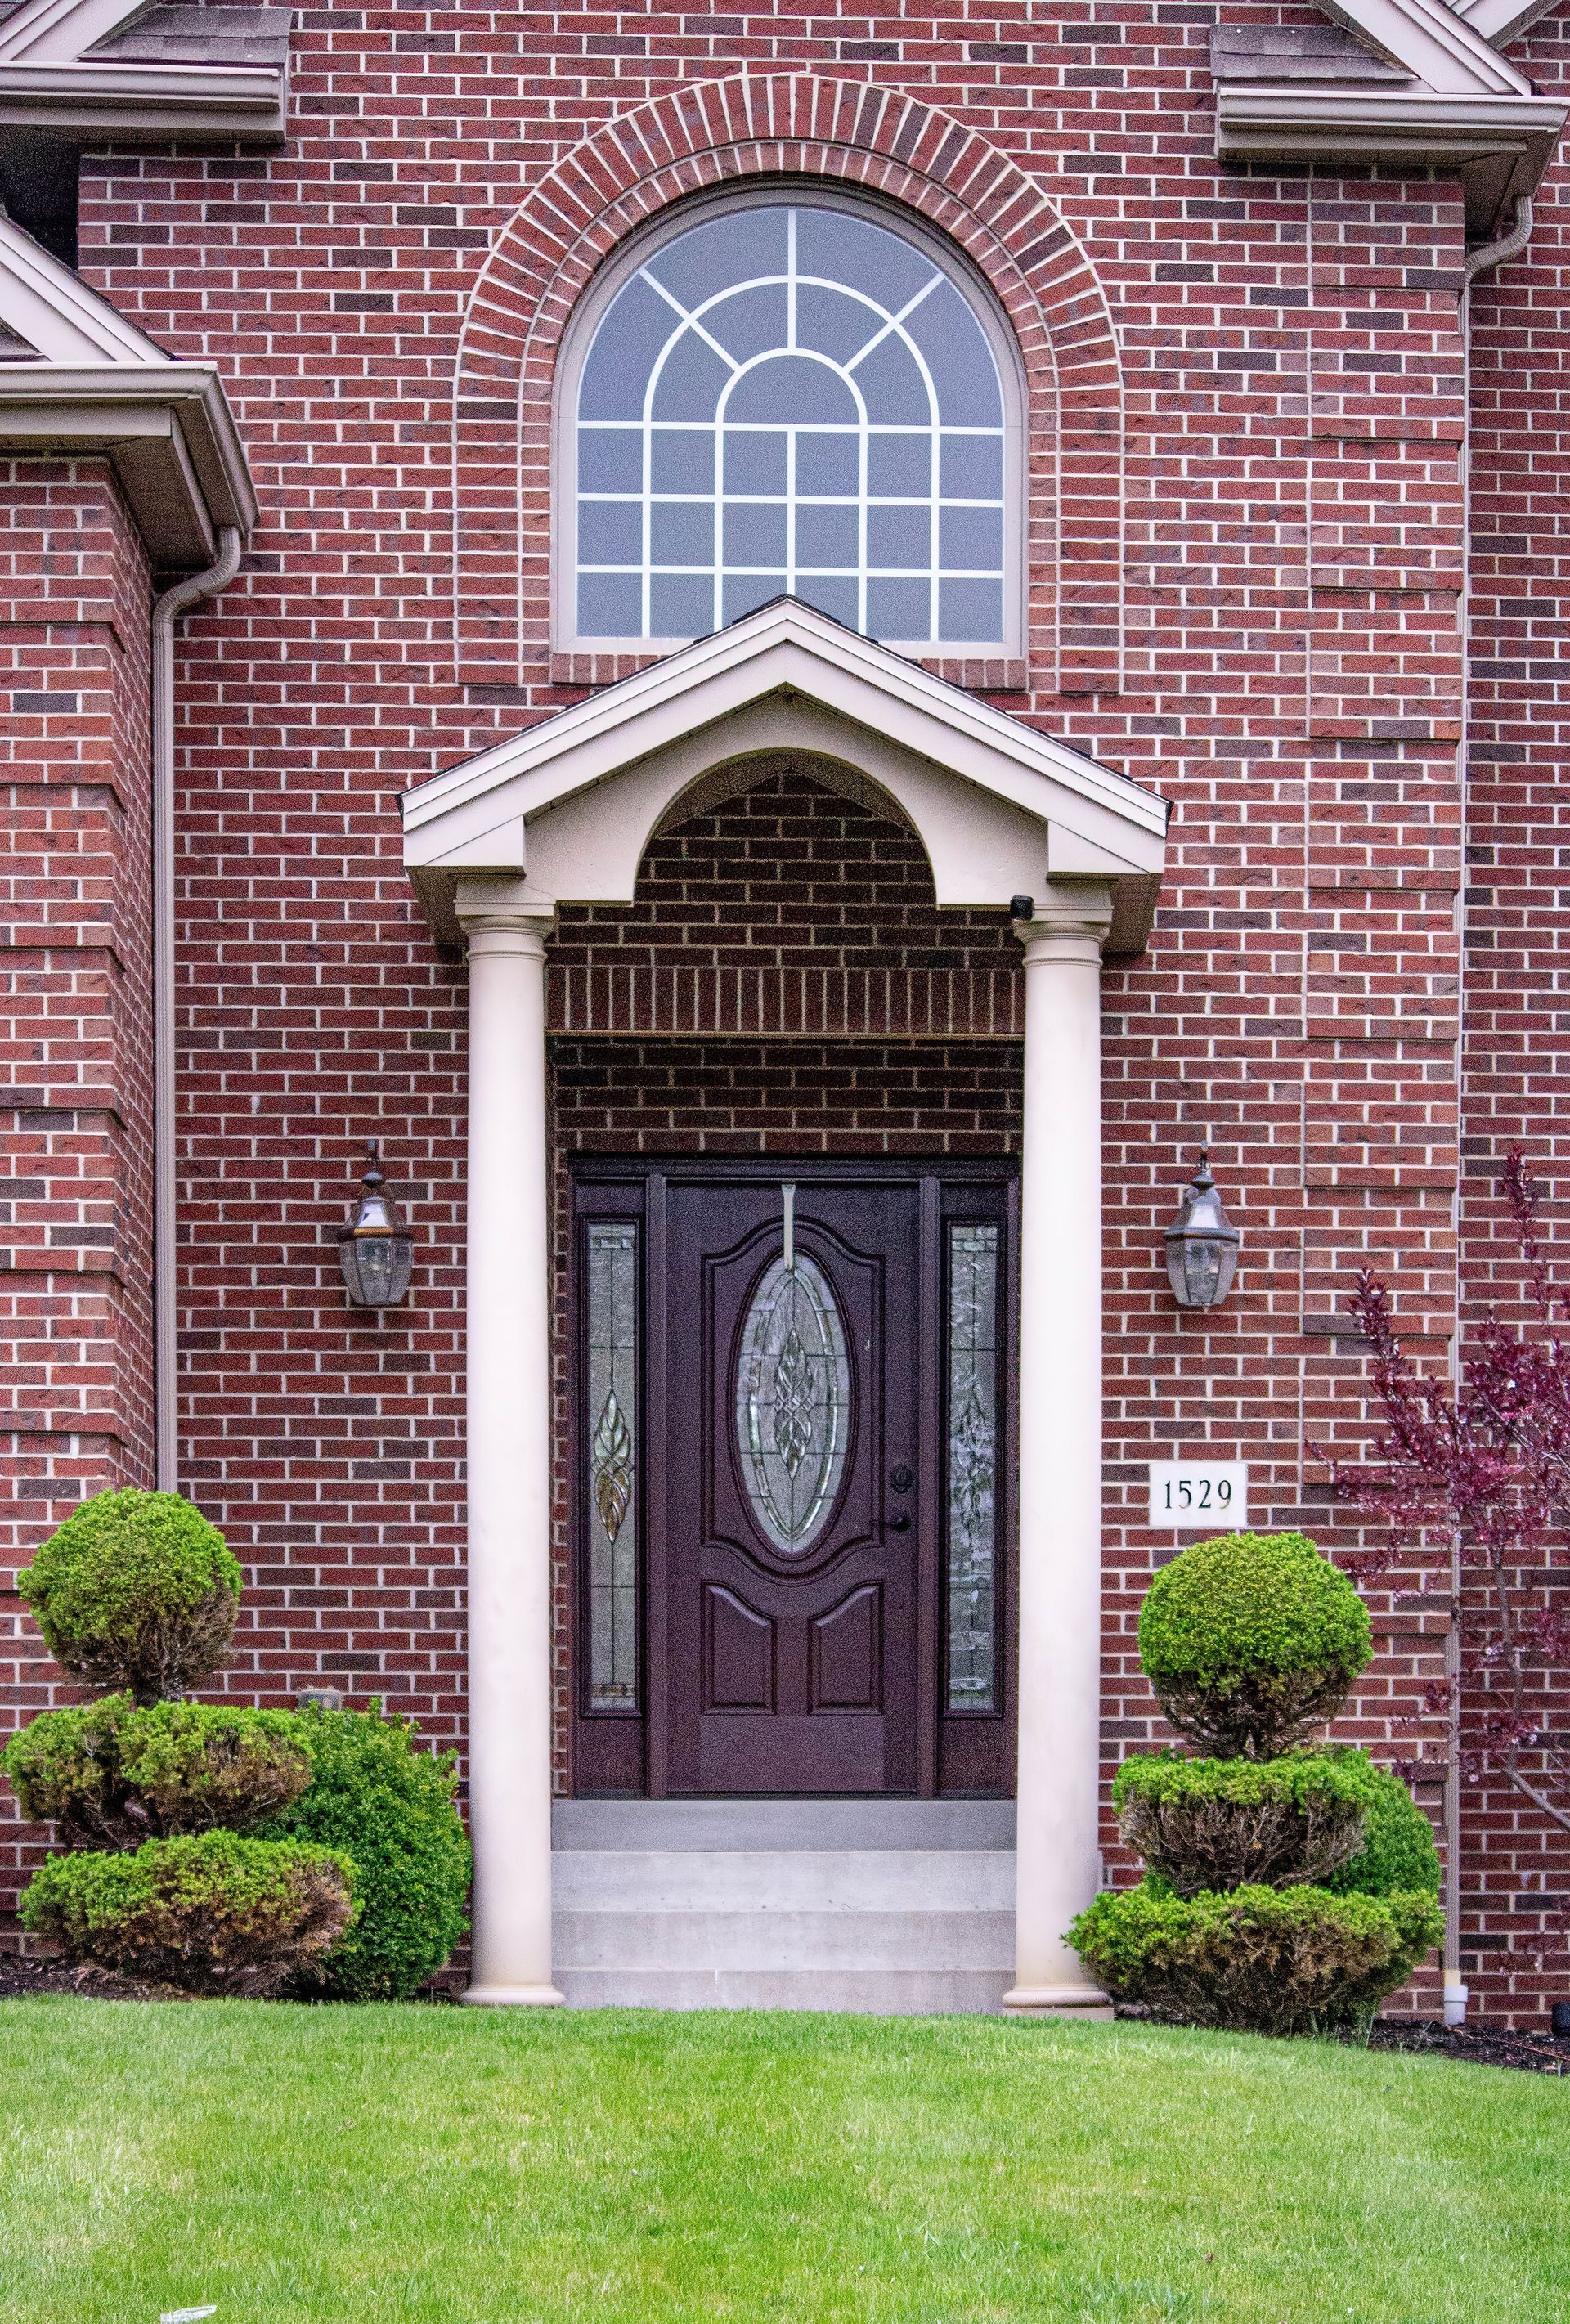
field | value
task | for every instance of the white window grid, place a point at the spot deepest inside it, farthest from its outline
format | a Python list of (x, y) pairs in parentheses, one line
[(865, 430)]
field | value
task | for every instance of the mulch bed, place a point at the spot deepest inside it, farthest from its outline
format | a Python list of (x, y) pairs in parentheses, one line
[(18, 1976), (1477, 2045)]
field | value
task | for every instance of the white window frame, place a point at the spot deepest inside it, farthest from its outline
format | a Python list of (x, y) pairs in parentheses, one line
[(634, 253)]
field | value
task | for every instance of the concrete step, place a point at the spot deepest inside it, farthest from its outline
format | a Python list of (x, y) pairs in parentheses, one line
[(890, 1905), (797, 1941), (772, 1880), (969, 1825), (875, 1992)]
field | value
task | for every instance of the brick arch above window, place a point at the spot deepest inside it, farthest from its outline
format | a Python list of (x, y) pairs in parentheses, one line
[(787, 126)]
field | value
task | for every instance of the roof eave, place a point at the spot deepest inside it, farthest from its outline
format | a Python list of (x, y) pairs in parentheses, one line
[(91, 97), (1500, 146), (166, 429)]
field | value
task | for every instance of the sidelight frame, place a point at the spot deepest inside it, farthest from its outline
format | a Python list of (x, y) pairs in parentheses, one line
[(621, 1752)]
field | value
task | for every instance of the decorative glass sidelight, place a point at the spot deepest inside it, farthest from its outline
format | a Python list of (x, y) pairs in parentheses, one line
[(613, 1464), (793, 1390), (972, 1466)]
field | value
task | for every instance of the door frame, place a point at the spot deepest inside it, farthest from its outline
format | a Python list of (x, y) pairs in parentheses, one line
[(624, 1753)]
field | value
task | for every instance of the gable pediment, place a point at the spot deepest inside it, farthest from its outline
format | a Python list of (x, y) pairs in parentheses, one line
[(566, 807)]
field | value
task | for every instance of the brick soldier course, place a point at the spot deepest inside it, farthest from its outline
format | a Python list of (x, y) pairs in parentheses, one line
[(1293, 501)]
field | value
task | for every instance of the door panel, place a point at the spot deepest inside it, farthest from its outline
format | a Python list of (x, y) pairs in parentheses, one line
[(738, 1654), (793, 1479), (792, 1560)]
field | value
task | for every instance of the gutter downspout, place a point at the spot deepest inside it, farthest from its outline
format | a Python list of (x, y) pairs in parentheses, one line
[(166, 611), (1477, 262)]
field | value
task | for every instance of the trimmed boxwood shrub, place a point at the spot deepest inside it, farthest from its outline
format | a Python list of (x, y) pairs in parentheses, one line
[(111, 1773), (389, 1805), (1397, 1849), (1251, 1640), (1258, 1959), (135, 1591), (207, 1911), (1221, 1823)]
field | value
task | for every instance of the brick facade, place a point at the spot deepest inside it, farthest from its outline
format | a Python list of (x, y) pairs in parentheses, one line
[(1247, 546)]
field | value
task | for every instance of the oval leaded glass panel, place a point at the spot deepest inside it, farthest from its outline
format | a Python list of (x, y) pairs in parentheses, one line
[(793, 1388)]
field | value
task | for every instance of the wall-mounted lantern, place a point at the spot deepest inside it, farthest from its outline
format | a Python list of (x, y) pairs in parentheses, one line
[(1202, 1244), (376, 1248)]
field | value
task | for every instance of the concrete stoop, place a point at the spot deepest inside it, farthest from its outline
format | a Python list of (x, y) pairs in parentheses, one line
[(899, 1907)]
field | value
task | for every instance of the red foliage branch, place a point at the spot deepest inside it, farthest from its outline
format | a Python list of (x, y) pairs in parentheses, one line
[(1478, 1471)]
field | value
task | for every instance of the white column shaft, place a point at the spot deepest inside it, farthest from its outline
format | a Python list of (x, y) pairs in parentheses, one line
[(1060, 1424), (508, 1457)]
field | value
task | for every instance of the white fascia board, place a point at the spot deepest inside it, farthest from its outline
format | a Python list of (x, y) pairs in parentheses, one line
[(136, 100), (55, 32), (1500, 21), (53, 308), (167, 429), (1258, 121), (780, 649), (1436, 45)]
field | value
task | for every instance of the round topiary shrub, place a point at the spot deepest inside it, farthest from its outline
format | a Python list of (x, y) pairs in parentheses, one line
[(1260, 1960), (1250, 1640), (135, 1591), (390, 1806), (112, 1775), (1398, 1852), (208, 1912), (1223, 1823)]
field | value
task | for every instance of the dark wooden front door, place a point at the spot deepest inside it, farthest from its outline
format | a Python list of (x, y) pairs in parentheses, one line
[(792, 1421), (792, 1477)]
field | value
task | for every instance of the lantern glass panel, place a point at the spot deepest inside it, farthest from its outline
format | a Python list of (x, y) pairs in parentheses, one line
[(376, 1268)]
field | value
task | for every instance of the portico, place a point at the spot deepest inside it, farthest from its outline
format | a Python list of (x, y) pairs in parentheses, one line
[(1006, 817)]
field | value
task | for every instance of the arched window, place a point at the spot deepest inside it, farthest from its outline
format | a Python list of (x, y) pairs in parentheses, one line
[(796, 394)]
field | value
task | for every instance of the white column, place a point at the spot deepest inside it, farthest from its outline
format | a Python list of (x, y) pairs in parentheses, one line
[(509, 1445), (1060, 1295)]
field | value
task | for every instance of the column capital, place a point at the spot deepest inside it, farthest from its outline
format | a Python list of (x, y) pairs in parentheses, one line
[(504, 910), (1069, 922)]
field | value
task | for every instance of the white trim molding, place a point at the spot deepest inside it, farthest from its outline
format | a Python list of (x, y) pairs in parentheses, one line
[(94, 384), (1420, 84), (62, 69), (567, 807)]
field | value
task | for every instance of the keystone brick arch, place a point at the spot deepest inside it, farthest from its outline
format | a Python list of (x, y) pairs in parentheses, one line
[(797, 125)]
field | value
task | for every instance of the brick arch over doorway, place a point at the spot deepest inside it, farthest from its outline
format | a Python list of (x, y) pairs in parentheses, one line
[(790, 126)]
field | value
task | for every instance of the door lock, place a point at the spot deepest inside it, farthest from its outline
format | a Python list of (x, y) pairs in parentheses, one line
[(901, 1478)]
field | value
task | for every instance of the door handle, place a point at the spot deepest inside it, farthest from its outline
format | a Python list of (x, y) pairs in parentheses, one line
[(901, 1524)]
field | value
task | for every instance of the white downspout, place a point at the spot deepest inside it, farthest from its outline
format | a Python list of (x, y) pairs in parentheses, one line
[(1477, 262), (166, 611)]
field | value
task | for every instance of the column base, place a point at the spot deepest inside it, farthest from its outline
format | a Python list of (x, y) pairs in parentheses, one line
[(1055, 2001), (515, 1997)]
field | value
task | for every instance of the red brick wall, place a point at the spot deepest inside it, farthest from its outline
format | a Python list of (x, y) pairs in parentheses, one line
[(1248, 600), (76, 1255), (1517, 1863)]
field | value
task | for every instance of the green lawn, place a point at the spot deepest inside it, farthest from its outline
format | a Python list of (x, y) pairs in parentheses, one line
[(343, 2166)]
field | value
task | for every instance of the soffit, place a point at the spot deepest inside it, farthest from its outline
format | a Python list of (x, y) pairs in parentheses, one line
[(89, 66), (566, 807), (1407, 83), (77, 377)]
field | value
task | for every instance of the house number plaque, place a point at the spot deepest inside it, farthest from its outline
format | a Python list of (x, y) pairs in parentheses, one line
[(1212, 1494)]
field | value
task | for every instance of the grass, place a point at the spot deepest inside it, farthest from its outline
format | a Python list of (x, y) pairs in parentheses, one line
[(346, 2166)]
